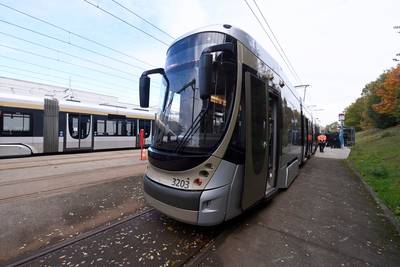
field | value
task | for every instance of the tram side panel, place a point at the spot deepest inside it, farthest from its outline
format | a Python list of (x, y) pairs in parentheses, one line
[(114, 133), (291, 136), (120, 133), (21, 131)]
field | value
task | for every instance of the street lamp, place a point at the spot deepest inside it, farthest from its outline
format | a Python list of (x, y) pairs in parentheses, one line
[(341, 117), (341, 134), (305, 89)]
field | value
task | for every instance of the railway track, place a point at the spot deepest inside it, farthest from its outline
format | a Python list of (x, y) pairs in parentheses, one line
[(76, 239), (60, 176), (185, 245), (56, 160), (12, 190)]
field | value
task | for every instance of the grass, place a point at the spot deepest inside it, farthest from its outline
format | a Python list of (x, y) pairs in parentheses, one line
[(376, 156)]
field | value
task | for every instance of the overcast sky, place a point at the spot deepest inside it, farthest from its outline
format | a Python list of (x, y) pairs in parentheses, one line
[(335, 46)]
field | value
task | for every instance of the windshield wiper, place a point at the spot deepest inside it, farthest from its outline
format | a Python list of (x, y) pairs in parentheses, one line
[(164, 128), (192, 129)]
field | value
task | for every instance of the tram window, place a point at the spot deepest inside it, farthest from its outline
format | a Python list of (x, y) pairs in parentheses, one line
[(100, 127), (73, 121), (134, 127), (119, 128), (111, 127), (221, 98), (85, 126), (130, 128), (16, 123), (145, 124)]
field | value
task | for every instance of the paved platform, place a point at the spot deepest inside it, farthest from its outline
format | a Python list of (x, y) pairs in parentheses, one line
[(333, 153), (33, 177), (326, 218), (47, 199)]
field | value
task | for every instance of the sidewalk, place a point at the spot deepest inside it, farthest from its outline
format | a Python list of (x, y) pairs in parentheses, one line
[(326, 218), (333, 153)]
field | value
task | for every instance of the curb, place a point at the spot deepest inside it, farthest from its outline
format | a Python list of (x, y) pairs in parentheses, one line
[(388, 213)]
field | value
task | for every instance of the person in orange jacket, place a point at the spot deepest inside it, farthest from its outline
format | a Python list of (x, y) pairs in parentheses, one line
[(321, 142)]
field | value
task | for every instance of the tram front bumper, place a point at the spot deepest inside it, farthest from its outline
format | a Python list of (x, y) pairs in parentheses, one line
[(206, 207)]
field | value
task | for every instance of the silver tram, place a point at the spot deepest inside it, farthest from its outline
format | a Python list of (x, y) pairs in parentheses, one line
[(231, 130), (35, 125)]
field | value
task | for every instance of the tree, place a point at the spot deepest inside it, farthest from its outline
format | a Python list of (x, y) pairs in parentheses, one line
[(371, 118), (379, 104), (355, 113), (389, 94)]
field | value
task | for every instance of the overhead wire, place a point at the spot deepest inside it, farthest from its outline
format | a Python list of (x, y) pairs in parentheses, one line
[(20, 87), (59, 77), (269, 37), (76, 34), (145, 20), (29, 76), (276, 39), (127, 23), (79, 46), (71, 44), (53, 83), (65, 62), (65, 53), (61, 71)]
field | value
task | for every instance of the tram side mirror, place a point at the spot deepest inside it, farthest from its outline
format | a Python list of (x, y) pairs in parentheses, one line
[(205, 75), (144, 91)]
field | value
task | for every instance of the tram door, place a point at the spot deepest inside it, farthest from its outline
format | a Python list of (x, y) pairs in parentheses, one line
[(256, 162), (79, 132), (307, 142)]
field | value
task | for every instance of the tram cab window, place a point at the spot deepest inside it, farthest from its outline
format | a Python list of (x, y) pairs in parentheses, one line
[(15, 124)]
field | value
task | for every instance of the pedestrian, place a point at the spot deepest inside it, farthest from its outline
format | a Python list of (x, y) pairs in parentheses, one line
[(321, 142)]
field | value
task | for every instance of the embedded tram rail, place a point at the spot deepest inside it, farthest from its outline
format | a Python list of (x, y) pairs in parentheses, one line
[(127, 242)]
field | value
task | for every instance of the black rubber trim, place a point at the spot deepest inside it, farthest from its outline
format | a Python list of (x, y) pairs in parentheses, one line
[(183, 199), (174, 162)]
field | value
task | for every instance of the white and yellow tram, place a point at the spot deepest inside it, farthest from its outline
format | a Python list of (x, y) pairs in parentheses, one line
[(35, 125)]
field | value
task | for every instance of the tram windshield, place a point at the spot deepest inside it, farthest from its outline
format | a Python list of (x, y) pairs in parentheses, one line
[(187, 123)]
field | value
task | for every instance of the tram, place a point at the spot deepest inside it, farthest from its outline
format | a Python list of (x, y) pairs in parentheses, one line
[(231, 131), (35, 125)]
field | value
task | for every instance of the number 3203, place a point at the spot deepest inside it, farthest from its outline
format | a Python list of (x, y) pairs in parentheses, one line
[(180, 183)]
